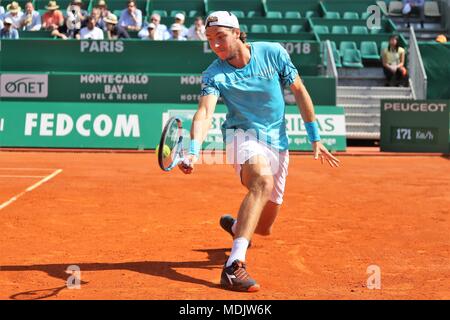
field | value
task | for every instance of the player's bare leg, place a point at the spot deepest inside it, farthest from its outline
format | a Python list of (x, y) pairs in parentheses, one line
[(259, 185), (267, 219)]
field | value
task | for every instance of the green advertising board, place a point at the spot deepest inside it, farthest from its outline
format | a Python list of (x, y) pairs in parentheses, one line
[(133, 126), (415, 126), (130, 88)]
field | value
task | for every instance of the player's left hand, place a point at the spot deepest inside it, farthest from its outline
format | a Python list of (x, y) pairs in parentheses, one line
[(321, 152)]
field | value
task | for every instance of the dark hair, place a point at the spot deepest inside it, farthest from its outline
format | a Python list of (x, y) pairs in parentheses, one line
[(397, 45), (243, 37)]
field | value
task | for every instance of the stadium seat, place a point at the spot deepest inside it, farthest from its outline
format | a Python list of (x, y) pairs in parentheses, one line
[(274, 15), (365, 15), (339, 30), (258, 28), (173, 13), (346, 45), (352, 58), (292, 15), (193, 14), (395, 8), (359, 30), (432, 9), (383, 46), (310, 14), (369, 50), (332, 15), (337, 59), (376, 30), (238, 13), (296, 28), (278, 28), (117, 13), (350, 15), (253, 14), (243, 27), (321, 29), (162, 13), (333, 46)]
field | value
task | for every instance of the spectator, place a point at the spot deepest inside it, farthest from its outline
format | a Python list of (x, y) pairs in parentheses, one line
[(177, 30), (441, 38), (114, 31), (161, 32), (31, 20), (179, 19), (1, 25), (91, 31), (152, 33), (8, 32), (131, 18), (15, 13), (104, 12), (2, 11), (97, 14), (414, 7), (76, 13), (393, 63), (197, 30), (53, 20)]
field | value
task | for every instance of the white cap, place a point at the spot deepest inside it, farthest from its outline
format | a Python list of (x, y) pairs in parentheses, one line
[(180, 16), (176, 27), (8, 20), (222, 19)]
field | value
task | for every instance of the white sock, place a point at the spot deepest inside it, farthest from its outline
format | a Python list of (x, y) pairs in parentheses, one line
[(233, 227), (238, 251)]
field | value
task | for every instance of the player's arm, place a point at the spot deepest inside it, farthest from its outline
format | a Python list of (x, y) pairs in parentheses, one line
[(306, 108), (201, 124)]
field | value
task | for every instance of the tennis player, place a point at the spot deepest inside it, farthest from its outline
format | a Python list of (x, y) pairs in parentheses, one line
[(250, 78)]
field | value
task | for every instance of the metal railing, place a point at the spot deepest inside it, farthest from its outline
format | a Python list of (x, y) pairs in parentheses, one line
[(330, 68), (417, 74)]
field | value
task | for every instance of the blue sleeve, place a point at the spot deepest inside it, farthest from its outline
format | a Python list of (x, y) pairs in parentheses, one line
[(209, 86), (286, 69)]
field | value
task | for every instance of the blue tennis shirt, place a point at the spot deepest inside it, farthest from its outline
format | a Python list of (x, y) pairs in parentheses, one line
[(254, 94)]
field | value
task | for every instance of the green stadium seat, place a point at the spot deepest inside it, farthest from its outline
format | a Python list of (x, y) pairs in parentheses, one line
[(395, 8), (365, 15), (339, 30), (347, 45), (274, 15), (332, 15), (243, 28), (321, 29), (376, 30), (173, 13), (193, 13), (295, 28), (278, 28), (431, 9), (350, 15), (162, 13), (352, 59), (384, 45), (337, 59), (259, 28), (238, 13), (359, 30), (117, 13), (253, 14), (310, 14), (369, 50), (333, 46), (292, 15)]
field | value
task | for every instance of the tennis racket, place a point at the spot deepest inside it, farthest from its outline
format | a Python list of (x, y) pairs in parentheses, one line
[(171, 151)]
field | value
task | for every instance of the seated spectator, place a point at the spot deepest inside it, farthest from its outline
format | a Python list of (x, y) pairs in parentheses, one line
[(53, 20), (76, 13), (161, 32), (114, 31), (97, 14), (179, 19), (31, 20), (91, 31), (151, 33), (131, 18), (15, 13), (2, 11), (414, 7), (8, 32), (104, 12), (197, 30), (393, 63), (177, 31)]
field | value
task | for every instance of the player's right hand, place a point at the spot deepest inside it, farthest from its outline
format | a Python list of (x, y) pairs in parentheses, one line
[(187, 166)]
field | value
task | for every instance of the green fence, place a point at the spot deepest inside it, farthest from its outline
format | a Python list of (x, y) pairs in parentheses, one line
[(130, 88), (437, 67), (132, 126), (126, 56)]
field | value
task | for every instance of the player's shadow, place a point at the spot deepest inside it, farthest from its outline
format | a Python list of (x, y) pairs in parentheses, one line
[(166, 269)]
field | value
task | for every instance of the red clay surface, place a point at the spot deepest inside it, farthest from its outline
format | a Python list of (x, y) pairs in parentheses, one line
[(139, 233)]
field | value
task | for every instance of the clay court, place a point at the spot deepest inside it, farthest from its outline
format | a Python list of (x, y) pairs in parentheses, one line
[(139, 233)]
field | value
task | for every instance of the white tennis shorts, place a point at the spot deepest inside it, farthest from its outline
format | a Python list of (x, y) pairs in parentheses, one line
[(243, 147)]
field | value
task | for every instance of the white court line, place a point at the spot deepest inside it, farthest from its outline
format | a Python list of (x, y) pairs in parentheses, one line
[(34, 186), (30, 169), (8, 176)]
